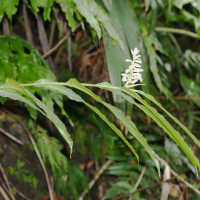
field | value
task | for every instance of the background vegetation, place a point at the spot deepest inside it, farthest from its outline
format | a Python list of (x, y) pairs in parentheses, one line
[(90, 40)]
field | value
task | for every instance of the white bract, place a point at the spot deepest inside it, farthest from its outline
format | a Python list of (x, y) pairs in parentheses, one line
[(132, 74)]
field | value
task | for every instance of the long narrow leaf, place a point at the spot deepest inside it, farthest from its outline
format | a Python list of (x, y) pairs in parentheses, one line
[(9, 90), (127, 122), (162, 122), (176, 120), (73, 96), (138, 135)]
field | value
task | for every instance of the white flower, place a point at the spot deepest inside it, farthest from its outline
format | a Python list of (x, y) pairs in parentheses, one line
[(132, 74)]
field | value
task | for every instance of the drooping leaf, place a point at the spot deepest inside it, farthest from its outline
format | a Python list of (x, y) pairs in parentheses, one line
[(162, 122), (68, 8), (73, 96), (94, 14), (171, 116), (127, 122), (47, 9), (12, 85), (131, 126)]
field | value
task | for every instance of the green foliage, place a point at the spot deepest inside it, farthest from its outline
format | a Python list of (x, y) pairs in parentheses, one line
[(88, 9), (20, 61), (23, 174), (13, 90), (69, 7), (176, 156), (9, 7), (131, 24), (191, 87), (77, 179), (10, 85), (50, 149)]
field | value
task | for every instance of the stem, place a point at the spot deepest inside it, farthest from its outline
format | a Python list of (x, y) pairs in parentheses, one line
[(37, 153), (64, 84), (178, 31)]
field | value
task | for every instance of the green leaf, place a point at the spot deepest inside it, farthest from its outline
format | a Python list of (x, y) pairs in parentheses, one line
[(130, 125), (162, 122), (124, 20), (13, 85), (22, 62), (86, 9), (47, 9), (11, 170), (10, 7), (116, 65), (171, 116), (57, 122), (75, 84), (77, 179), (20, 164), (119, 133), (94, 14), (112, 192), (61, 89), (73, 96), (68, 7)]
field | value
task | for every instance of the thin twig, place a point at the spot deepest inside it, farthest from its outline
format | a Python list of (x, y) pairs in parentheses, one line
[(141, 175), (144, 188), (4, 187), (22, 195), (92, 182), (7, 183), (6, 28), (36, 151), (44, 42), (179, 98), (58, 44), (3, 193), (69, 53), (10, 136), (52, 31), (29, 35), (178, 31), (153, 185)]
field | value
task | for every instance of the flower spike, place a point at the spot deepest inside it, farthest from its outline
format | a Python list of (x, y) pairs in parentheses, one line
[(132, 74)]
